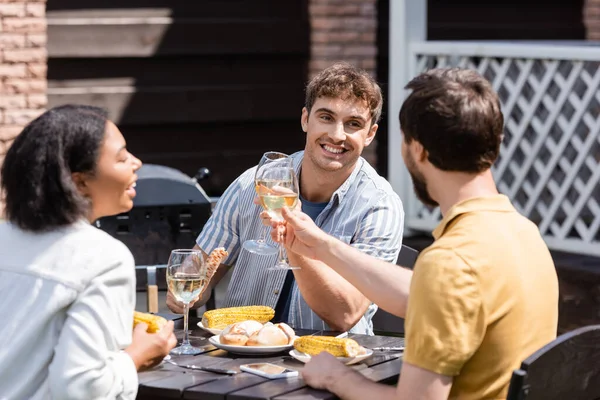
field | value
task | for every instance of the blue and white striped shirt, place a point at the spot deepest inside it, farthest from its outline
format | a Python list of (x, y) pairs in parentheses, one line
[(364, 212)]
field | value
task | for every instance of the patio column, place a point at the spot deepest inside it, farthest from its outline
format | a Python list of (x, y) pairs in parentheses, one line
[(408, 24)]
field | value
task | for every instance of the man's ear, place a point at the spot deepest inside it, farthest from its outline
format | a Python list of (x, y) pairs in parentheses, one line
[(304, 119), (419, 151), (371, 135), (79, 179)]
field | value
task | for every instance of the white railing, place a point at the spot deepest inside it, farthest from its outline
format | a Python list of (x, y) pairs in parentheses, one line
[(549, 162)]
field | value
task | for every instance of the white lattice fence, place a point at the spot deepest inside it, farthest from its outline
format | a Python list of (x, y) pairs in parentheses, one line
[(549, 162)]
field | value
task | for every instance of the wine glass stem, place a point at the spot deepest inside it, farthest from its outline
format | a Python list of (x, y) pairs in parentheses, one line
[(186, 311), (282, 255), (263, 234)]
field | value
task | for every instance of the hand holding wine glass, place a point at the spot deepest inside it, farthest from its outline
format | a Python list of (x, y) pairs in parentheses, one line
[(213, 261), (300, 234), (278, 189), (187, 277), (260, 246)]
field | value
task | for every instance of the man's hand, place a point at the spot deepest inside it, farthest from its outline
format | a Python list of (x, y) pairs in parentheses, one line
[(266, 218), (323, 370), (299, 234), (213, 263), (177, 306)]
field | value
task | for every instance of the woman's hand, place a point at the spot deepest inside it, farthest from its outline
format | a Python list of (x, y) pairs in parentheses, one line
[(148, 349)]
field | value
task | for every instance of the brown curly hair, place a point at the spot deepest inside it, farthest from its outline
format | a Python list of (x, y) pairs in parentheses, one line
[(345, 81)]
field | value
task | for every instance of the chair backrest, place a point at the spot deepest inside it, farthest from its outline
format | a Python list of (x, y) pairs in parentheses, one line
[(384, 322), (150, 279), (407, 257), (566, 368)]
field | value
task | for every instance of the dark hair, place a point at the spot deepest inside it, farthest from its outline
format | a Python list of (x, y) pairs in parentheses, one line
[(455, 114), (36, 175), (346, 81)]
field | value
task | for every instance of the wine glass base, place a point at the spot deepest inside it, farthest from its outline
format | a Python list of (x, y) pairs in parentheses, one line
[(186, 350), (282, 267), (256, 247)]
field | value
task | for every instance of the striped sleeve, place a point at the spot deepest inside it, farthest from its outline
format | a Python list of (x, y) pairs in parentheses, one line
[(222, 228), (379, 233)]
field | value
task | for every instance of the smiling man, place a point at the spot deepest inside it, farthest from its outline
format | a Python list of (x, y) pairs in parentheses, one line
[(339, 190)]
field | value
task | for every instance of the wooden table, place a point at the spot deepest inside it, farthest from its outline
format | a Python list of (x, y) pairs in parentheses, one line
[(169, 381)]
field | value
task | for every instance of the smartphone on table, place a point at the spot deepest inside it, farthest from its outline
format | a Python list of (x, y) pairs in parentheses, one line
[(268, 370)]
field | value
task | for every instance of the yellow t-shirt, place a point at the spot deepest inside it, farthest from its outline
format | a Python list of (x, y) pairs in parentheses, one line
[(483, 297)]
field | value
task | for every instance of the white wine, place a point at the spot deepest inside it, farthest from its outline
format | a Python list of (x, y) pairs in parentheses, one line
[(186, 287), (265, 186), (274, 203)]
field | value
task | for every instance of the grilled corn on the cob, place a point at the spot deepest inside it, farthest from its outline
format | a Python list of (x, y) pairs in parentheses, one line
[(154, 322), (338, 347), (220, 318)]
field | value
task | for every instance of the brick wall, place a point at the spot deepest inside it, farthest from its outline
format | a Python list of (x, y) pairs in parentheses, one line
[(591, 19), (344, 30), (22, 67)]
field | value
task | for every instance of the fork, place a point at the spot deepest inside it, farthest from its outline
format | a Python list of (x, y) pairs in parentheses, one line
[(397, 348)]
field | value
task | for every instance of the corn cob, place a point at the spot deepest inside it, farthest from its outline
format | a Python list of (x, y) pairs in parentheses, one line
[(154, 322), (220, 318), (338, 347)]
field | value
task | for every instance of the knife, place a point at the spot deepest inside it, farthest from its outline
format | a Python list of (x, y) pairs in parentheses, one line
[(207, 369)]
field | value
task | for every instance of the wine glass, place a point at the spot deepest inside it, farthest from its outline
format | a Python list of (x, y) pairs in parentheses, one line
[(279, 189), (187, 278), (260, 246)]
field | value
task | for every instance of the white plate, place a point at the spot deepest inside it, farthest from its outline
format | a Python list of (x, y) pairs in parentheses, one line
[(256, 350), (211, 330), (346, 360)]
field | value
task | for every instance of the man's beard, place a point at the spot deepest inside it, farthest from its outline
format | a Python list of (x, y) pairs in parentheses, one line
[(419, 183), (421, 191)]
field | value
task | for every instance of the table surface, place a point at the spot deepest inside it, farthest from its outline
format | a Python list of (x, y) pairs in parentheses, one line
[(168, 381)]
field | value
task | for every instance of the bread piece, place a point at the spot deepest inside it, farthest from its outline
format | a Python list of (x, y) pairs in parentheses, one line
[(288, 331), (237, 334), (272, 335), (214, 259)]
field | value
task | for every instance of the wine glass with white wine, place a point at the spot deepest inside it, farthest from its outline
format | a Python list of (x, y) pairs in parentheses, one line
[(270, 158), (279, 188), (187, 278)]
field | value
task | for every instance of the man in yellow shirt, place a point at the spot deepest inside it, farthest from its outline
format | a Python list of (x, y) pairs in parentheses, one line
[(484, 295)]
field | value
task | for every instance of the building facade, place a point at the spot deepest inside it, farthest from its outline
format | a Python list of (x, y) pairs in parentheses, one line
[(22, 67), (340, 30)]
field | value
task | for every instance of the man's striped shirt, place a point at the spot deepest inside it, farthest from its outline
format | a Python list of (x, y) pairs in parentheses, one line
[(364, 212)]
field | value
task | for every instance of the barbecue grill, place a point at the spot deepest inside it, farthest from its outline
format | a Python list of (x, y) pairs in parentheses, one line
[(168, 213)]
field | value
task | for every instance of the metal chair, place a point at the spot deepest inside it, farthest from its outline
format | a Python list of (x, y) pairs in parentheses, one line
[(384, 322), (151, 279), (566, 368)]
